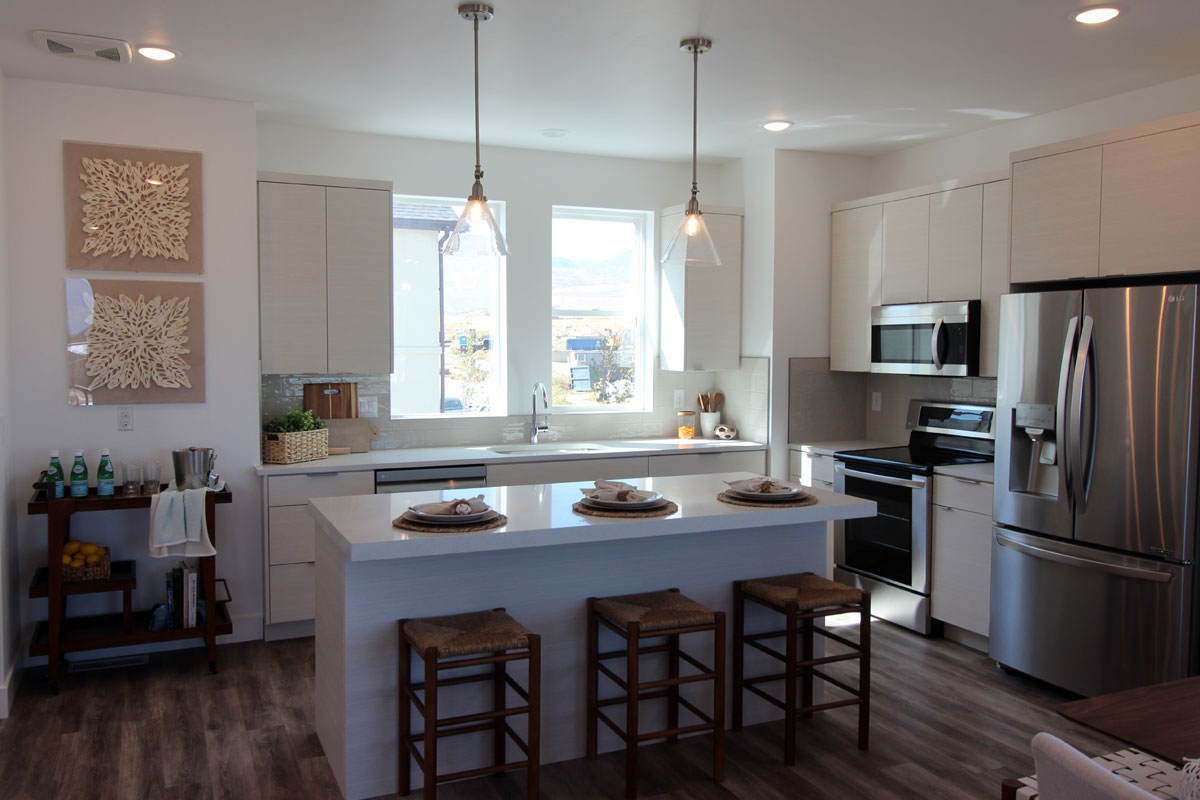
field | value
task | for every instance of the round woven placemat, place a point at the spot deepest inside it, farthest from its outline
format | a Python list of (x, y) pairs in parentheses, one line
[(805, 500), (664, 511), (421, 527)]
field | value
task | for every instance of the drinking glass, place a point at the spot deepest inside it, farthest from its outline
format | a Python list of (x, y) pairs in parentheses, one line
[(131, 478), (153, 477)]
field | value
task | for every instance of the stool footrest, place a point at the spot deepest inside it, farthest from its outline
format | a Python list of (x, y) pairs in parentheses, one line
[(511, 655), (703, 676), (667, 734), (446, 722), (612, 676), (775, 701), (481, 771), (827, 706)]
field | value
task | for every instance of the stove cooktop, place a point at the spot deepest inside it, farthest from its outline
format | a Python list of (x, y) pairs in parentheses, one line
[(912, 459)]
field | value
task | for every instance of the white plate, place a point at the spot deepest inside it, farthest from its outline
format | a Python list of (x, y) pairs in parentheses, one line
[(773, 497), (447, 519), (656, 501)]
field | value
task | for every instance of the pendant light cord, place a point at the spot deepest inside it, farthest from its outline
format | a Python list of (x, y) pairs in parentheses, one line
[(695, 95), (478, 169)]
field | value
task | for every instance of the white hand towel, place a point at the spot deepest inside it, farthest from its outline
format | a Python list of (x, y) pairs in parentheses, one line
[(461, 506), (618, 491), (760, 486), (178, 526)]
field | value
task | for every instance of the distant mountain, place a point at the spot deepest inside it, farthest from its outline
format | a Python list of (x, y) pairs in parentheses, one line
[(588, 283)]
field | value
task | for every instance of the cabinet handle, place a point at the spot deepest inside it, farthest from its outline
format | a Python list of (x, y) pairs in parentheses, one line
[(966, 480), (319, 474), (944, 508)]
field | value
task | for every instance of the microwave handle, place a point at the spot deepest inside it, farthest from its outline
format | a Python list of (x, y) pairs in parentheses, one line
[(936, 343)]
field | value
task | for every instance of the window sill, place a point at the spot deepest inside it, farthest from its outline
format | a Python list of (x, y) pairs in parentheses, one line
[(451, 417), (568, 411)]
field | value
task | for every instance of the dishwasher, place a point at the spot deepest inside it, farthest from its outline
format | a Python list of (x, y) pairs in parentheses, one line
[(419, 479)]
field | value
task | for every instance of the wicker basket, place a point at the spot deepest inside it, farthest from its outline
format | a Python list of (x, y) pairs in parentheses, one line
[(288, 448), (97, 571)]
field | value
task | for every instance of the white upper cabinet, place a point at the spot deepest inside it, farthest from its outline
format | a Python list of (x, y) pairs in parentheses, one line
[(856, 261), (1056, 217), (994, 273), (1150, 217), (291, 274), (701, 325), (955, 244), (360, 280), (906, 250), (325, 276)]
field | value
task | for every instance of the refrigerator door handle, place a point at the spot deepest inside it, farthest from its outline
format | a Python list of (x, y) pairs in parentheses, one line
[(1082, 358), (935, 344), (1064, 382), (1086, 563)]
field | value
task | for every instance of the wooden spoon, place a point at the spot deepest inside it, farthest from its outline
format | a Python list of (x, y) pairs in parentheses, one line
[(718, 400), (700, 400)]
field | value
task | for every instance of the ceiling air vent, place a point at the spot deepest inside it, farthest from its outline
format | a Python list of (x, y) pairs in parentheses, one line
[(84, 46)]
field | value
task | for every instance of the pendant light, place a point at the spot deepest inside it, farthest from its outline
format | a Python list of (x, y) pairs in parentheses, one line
[(476, 210), (691, 243)]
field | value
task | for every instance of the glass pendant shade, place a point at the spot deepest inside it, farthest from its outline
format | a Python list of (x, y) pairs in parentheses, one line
[(692, 243), (476, 217)]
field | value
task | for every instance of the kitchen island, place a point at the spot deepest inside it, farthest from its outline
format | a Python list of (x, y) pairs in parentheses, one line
[(542, 566)]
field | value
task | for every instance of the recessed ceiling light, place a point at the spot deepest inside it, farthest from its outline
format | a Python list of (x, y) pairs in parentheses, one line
[(1094, 15), (777, 125), (156, 53), (554, 133)]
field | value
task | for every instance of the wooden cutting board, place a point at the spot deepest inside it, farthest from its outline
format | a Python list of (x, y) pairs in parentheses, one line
[(352, 433), (332, 400)]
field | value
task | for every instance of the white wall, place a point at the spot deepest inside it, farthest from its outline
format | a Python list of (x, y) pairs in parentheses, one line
[(38, 116), (9, 569), (988, 149)]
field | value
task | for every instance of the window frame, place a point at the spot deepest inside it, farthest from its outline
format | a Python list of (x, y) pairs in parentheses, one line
[(499, 406), (647, 334)]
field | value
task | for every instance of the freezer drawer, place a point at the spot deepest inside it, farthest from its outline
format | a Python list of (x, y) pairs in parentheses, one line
[(1084, 619)]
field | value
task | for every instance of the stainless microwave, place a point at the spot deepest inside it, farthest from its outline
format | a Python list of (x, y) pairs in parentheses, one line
[(926, 339)]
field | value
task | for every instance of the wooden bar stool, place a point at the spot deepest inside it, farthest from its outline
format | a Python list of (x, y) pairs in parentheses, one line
[(654, 615), (802, 598), (476, 639)]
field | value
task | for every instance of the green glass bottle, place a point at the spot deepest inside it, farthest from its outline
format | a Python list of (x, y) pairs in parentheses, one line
[(79, 476), (104, 476), (54, 473)]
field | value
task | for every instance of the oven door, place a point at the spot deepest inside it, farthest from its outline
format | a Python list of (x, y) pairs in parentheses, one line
[(926, 339), (892, 547)]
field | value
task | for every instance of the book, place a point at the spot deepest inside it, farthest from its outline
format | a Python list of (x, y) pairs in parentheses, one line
[(191, 598), (170, 602), (177, 597)]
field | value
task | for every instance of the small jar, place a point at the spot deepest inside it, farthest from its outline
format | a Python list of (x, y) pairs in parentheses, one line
[(685, 424)]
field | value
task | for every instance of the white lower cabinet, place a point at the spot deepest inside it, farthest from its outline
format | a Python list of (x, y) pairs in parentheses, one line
[(706, 463), (288, 587), (293, 592), (962, 555), (590, 469)]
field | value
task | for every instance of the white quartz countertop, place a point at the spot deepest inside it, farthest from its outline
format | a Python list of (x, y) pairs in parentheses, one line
[(481, 454), (970, 472), (540, 515), (829, 448)]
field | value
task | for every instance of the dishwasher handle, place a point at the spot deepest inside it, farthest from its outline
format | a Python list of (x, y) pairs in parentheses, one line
[(417, 478)]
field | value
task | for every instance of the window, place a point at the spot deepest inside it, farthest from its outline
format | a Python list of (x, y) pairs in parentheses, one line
[(599, 308), (447, 313)]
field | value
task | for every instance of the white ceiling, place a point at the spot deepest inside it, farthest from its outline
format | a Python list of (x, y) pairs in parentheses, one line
[(857, 76)]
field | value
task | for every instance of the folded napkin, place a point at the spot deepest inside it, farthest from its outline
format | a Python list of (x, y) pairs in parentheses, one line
[(618, 491), (760, 486), (460, 506), (178, 526)]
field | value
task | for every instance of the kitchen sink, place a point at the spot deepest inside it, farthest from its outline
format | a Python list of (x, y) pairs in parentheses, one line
[(549, 447)]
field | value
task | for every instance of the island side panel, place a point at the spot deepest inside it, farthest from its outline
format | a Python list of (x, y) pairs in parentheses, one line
[(545, 588), (331, 654)]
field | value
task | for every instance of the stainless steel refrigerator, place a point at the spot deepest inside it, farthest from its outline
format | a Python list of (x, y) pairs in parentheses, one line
[(1094, 542)]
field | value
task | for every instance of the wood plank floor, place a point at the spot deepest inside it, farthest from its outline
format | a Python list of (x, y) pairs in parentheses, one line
[(945, 724)]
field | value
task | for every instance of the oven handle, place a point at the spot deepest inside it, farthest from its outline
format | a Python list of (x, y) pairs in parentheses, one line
[(915, 483), (935, 344)]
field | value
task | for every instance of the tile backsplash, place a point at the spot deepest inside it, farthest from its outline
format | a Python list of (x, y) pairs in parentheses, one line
[(824, 406), (747, 396)]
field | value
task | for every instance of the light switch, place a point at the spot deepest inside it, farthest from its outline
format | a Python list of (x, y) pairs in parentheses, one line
[(679, 402), (368, 406), (876, 401)]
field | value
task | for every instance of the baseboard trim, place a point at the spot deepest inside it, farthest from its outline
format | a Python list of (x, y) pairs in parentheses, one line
[(290, 630), (965, 637), (8, 689)]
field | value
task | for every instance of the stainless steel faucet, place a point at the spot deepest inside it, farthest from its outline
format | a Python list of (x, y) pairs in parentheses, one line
[(534, 428)]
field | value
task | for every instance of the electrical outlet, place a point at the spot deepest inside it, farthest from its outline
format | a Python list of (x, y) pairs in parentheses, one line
[(876, 401), (679, 402), (125, 418), (368, 406)]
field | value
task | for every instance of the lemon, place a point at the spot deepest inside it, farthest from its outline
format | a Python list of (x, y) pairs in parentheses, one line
[(66, 559), (93, 558), (87, 548), (70, 548), (77, 563)]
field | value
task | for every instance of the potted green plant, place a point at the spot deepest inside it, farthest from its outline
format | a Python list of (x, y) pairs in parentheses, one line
[(296, 436)]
